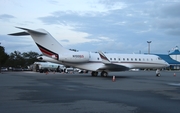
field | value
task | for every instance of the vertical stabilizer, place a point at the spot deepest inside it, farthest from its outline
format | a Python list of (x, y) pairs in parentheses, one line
[(48, 45)]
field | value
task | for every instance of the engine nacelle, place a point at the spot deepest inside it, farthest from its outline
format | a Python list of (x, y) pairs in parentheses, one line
[(74, 57)]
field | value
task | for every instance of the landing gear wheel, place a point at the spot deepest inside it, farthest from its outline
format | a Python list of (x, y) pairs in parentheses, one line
[(104, 74), (94, 73)]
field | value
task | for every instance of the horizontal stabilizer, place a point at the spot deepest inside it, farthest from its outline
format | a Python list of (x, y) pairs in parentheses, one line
[(33, 31), (29, 31), (19, 34), (105, 60)]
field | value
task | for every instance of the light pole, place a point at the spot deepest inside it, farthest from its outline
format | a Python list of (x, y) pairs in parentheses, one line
[(149, 46)]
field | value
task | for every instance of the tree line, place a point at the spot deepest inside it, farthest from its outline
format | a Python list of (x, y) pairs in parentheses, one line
[(17, 59)]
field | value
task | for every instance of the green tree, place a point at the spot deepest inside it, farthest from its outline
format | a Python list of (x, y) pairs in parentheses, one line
[(30, 57), (3, 57), (18, 59)]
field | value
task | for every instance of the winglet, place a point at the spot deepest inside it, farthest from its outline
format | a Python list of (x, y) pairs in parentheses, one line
[(105, 60)]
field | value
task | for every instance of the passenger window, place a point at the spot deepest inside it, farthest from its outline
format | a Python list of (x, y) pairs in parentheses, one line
[(131, 59), (135, 59), (110, 58), (139, 59), (119, 59), (97, 58), (127, 59), (114, 58), (159, 58), (123, 58)]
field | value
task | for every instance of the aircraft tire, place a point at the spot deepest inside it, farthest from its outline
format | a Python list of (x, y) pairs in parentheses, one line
[(94, 73), (104, 74)]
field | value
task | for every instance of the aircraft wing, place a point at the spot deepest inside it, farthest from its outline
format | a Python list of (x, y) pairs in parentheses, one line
[(109, 66), (114, 67)]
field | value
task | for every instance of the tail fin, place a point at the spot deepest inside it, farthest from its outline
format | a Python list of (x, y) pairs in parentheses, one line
[(46, 43)]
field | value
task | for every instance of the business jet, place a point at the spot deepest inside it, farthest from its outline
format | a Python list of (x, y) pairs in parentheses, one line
[(92, 61)]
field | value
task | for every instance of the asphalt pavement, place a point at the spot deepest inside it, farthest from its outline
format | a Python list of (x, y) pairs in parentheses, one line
[(131, 92)]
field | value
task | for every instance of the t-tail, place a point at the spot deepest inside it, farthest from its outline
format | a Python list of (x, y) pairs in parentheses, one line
[(45, 42)]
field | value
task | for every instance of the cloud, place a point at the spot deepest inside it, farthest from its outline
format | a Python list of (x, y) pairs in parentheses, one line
[(122, 27), (171, 10), (108, 25), (6, 17), (113, 22), (54, 2), (167, 23), (173, 32), (64, 40), (84, 22), (113, 4), (166, 17)]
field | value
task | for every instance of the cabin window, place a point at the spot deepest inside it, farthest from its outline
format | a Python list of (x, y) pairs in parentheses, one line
[(131, 59), (151, 59), (119, 59), (97, 58), (143, 59), (139, 59), (110, 58), (147, 59), (123, 58), (135, 59), (159, 58), (114, 58), (127, 59)]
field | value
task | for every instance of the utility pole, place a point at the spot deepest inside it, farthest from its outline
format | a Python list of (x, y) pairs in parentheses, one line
[(149, 42)]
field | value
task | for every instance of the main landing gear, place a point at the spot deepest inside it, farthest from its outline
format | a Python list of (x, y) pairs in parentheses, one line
[(94, 73), (103, 73)]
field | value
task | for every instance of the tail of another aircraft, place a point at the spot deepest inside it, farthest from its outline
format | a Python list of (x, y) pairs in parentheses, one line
[(46, 43)]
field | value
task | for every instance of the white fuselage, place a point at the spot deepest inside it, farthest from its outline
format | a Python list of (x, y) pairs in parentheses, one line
[(94, 61)]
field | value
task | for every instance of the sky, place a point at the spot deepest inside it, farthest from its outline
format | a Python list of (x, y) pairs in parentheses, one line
[(116, 26)]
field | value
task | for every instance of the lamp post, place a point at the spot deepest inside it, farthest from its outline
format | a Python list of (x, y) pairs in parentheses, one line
[(149, 46)]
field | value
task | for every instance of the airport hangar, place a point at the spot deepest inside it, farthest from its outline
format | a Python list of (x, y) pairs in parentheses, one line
[(172, 58)]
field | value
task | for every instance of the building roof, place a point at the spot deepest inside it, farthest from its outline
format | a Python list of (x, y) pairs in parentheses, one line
[(175, 52), (168, 59)]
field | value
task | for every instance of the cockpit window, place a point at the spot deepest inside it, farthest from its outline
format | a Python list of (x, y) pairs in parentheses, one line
[(159, 58)]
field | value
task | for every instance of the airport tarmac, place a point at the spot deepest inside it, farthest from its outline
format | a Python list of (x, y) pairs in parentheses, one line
[(131, 92)]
